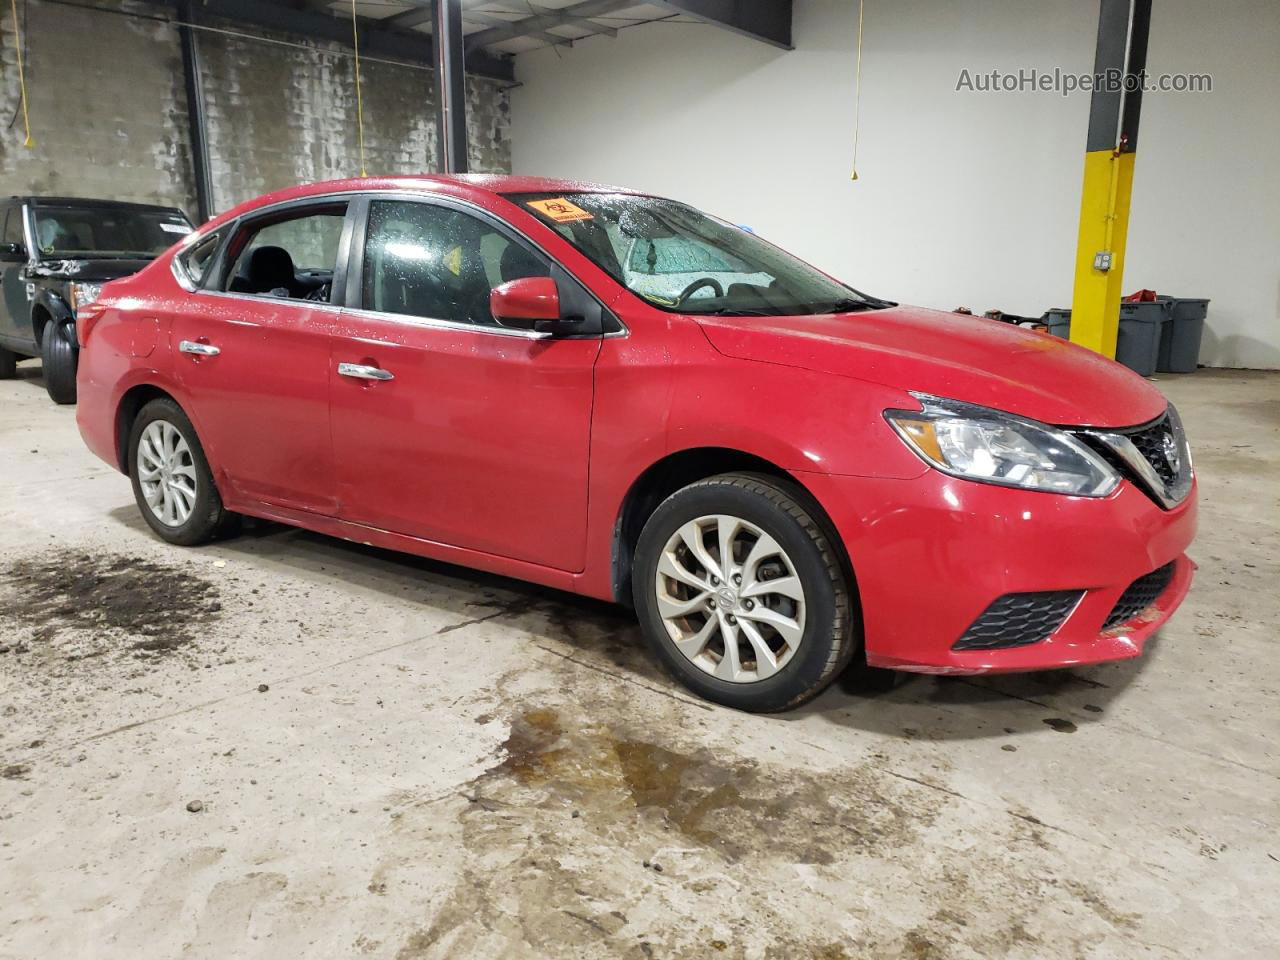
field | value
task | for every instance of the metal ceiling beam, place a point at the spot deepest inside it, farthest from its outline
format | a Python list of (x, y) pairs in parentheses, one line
[(582, 23), (376, 38), (492, 21), (576, 15), (765, 20), (421, 13)]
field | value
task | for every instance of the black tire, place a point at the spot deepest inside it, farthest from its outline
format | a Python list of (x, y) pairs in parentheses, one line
[(207, 514), (59, 357), (832, 633), (8, 364)]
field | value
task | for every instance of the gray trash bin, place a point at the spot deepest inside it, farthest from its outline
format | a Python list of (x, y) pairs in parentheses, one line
[(1180, 341), (1058, 320), (1138, 343)]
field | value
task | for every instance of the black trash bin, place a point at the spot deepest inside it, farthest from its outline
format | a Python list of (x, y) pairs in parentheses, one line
[(1180, 341), (1058, 321), (1138, 343)]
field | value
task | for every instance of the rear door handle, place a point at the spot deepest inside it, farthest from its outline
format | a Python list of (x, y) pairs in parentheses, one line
[(362, 372), (198, 349)]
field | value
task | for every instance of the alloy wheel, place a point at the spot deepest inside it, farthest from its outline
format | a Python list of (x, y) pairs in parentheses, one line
[(166, 473), (730, 598)]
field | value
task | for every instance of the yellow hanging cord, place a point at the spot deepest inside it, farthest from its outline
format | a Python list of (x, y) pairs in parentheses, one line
[(355, 41), (857, 95), (22, 80)]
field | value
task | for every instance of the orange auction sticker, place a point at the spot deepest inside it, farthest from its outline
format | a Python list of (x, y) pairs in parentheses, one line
[(560, 210)]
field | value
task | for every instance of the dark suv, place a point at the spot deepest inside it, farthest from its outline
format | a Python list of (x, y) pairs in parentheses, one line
[(55, 254)]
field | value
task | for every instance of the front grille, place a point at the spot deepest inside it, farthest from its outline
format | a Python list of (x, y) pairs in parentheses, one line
[(1019, 619), (1153, 456), (1141, 594), (1150, 442)]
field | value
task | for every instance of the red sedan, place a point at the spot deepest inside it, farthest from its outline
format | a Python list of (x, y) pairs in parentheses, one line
[(617, 395)]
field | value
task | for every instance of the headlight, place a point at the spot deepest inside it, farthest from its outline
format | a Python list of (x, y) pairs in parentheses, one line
[(82, 293), (981, 444)]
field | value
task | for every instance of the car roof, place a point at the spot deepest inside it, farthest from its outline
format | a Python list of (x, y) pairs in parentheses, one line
[(453, 184)]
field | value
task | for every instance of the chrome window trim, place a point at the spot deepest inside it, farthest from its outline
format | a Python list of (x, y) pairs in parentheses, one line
[(436, 323), (280, 301)]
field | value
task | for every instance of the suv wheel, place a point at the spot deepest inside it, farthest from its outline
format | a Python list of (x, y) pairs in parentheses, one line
[(8, 364), (59, 358), (171, 478), (740, 593)]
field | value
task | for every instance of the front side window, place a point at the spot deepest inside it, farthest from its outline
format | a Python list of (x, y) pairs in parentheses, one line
[(435, 262), (676, 258), (288, 257), (75, 231)]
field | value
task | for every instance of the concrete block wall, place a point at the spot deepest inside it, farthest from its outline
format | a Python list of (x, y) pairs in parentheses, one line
[(109, 117), (107, 105)]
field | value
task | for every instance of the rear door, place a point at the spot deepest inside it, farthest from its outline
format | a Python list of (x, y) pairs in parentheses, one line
[(252, 349), (479, 436)]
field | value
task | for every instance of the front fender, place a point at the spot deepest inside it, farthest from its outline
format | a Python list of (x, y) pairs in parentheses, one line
[(794, 418), (59, 312)]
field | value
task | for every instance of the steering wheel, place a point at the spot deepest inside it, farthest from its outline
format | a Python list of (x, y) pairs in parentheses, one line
[(698, 285)]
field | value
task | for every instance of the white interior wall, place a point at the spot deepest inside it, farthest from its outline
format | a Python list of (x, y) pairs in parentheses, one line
[(963, 198)]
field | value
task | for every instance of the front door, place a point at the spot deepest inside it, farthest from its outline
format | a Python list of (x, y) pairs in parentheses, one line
[(479, 435), (253, 356), (15, 308)]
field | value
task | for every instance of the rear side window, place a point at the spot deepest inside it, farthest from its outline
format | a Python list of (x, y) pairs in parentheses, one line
[(196, 261), (290, 256), (13, 226)]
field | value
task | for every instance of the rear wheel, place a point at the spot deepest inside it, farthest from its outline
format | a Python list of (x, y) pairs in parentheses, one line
[(8, 364), (59, 358), (741, 593), (172, 482)]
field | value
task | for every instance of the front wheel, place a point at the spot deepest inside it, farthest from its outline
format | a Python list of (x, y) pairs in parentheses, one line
[(740, 592), (171, 478), (59, 358), (8, 364)]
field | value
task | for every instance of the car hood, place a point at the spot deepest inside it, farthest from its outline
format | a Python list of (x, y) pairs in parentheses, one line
[(87, 270), (950, 355)]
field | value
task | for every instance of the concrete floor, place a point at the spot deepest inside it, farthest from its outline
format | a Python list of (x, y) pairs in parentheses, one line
[(400, 759)]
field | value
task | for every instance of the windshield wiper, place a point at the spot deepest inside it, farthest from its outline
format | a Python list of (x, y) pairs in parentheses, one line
[(738, 312), (851, 305)]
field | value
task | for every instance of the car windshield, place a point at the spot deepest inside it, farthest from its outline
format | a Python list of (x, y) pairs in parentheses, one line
[(75, 231), (679, 259)]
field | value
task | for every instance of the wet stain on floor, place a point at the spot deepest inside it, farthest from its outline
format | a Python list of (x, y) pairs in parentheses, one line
[(586, 835)]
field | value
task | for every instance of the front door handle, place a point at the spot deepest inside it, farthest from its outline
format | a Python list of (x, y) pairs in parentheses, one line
[(198, 349), (362, 372)]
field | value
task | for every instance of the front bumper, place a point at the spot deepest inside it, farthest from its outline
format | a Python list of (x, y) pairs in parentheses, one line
[(930, 555)]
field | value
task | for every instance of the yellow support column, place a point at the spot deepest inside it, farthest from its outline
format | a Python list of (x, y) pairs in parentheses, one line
[(1119, 73), (1104, 228)]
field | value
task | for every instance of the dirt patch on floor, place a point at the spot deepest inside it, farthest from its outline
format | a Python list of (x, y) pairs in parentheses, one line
[(104, 601)]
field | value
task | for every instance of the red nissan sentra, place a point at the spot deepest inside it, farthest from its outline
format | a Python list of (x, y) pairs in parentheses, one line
[(617, 395)]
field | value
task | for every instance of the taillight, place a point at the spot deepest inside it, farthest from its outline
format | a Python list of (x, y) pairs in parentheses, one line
[(86, 317)]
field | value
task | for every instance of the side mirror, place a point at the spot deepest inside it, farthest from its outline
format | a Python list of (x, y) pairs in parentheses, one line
[(526, 301), (12, 252)]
